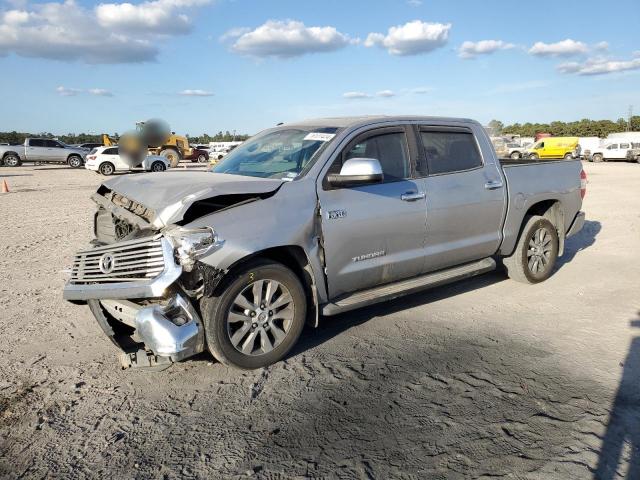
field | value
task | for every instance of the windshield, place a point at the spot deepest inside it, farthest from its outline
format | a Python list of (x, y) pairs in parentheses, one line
[(282, 153)]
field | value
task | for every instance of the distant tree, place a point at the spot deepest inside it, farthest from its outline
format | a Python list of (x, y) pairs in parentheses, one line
[(496, 127)]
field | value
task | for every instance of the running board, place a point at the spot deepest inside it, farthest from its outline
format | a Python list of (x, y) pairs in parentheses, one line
[(383, 293)]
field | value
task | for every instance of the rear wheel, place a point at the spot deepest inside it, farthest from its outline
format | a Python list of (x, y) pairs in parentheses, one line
[(597, 157), (568, 156), (533, 156), (74, 161), (202, 158), (12, 160), (107, 168), (256, 317), (515, 155), (536, 252)]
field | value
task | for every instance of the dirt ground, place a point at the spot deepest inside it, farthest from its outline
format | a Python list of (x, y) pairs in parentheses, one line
[(485, 378)]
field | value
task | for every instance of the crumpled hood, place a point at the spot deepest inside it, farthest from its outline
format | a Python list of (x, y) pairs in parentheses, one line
[(169, 194)]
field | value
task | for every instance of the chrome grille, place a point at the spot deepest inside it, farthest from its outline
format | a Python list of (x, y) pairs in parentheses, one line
[(131, 261)]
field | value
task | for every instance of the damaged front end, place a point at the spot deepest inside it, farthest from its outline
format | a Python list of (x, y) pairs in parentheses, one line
[(144, 286)]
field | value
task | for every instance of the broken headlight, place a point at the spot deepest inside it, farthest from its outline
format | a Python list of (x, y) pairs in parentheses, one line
[(192, 243)]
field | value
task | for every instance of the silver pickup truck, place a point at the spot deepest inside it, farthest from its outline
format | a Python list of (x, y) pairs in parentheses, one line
[(309, 219), (43, 150)]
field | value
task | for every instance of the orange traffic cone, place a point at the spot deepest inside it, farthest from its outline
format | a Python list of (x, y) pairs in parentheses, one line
[(5, 186)]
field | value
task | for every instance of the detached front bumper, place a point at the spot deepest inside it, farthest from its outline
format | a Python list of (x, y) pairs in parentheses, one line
[(133, 302)]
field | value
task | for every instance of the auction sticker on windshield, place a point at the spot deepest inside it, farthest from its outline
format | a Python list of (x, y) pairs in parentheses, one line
[(318, 136)]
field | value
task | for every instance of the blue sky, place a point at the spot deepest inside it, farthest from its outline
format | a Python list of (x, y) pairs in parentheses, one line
[(209, 65)]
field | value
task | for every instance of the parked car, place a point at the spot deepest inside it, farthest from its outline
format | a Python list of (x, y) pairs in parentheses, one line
[(310, 219), (612, 151), (555, 147), (198, 155), (107, 161), (42, 150), (633, 154), (516, 150)]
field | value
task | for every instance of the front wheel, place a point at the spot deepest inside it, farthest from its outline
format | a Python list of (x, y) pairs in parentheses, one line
[(75, 161), (172, 156), (158, 167), (256, 317), (536, 252), (202, 158), (515, 155)]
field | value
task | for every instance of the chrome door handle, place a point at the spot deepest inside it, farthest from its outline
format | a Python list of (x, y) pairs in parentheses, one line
[(492, 185), (412, 196)]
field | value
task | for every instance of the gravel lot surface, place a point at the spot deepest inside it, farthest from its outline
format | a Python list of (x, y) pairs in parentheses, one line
[(484, 378)]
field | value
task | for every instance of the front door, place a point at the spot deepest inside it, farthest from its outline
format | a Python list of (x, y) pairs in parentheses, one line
[(374, 234), (465, 198)]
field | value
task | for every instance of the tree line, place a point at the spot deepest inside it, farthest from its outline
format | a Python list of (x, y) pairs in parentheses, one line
[(15, 138), (580, 128)]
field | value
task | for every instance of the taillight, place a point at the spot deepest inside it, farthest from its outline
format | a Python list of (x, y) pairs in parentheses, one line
[(583, 183), (91, 157)]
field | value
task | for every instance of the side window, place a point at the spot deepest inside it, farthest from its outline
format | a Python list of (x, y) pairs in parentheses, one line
[(390, 149), (624, 145), (613, 147), (448, 152), (36, 142), (110, 151), (50, 144)]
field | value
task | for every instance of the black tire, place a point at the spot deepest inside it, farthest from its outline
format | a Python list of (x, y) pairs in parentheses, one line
[(74, 161), (568, 156), (518, 264), (12, 160), (597, 157), (107, 168), (533, 156), (202, 158), (216, 309), (158, 167), (515, 155)]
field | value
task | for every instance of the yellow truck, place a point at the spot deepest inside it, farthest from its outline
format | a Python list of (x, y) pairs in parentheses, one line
[(555, 147)]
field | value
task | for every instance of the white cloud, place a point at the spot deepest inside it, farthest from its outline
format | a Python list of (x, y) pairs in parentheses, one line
[(602, 46), (196, 93), (422, 90), (518, 87), (386, 93), (412, 38), (107, 33), (599, 66), (355, 95), (483, 47), (72, 92), (100, 92), (67, 92), (285, 39), (414, 3), (565, 48), (159, 16)]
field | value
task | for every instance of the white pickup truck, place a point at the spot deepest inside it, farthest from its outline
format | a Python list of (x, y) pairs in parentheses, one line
[(615, 150), (43, 150)]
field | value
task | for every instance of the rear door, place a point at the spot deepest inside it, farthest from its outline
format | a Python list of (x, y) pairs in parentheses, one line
[(36, 150), (466, 197), (374, 234), (112, 156)]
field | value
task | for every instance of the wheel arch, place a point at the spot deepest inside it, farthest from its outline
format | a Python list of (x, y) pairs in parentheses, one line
[(552, 210), (295, 258), (11, 152)]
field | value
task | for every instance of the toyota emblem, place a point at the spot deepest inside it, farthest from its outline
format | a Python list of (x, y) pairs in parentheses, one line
[(107, 263)]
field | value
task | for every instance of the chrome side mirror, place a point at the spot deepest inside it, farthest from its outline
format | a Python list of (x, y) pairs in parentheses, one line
[(357, 171)]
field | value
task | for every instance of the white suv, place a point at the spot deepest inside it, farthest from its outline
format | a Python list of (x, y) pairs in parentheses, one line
[(612, 151), (107, 161)]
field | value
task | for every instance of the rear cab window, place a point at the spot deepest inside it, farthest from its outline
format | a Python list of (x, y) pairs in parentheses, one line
[(448, 150)]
